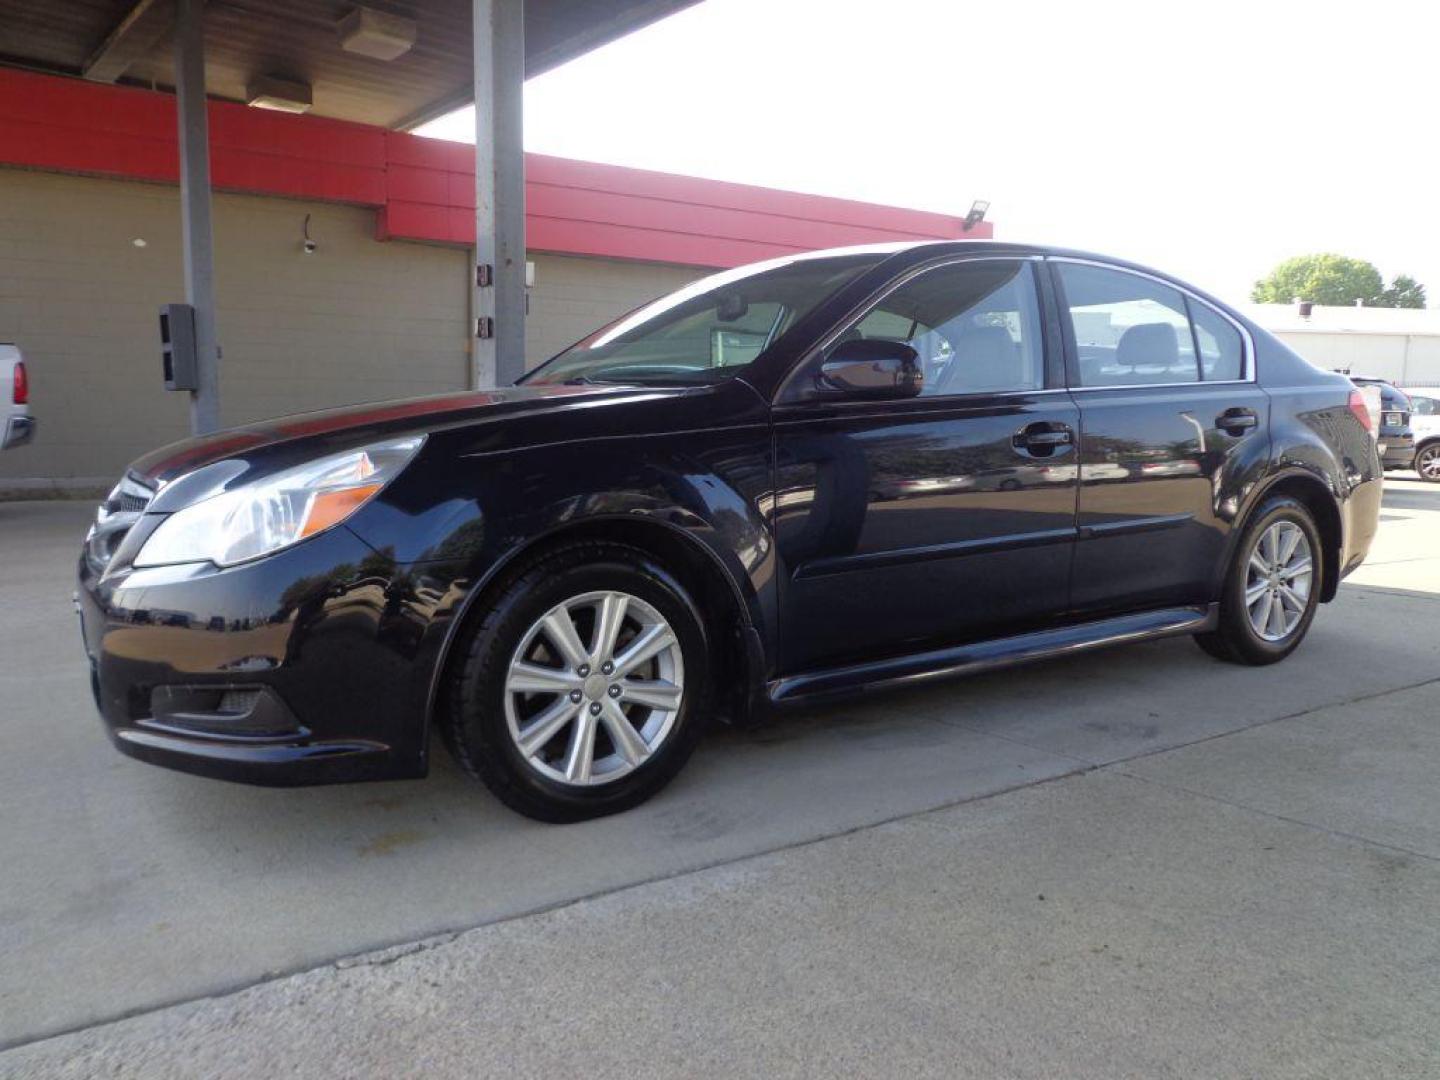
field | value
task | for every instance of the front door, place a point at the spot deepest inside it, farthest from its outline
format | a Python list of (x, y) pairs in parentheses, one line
[(1167, 411), (948, 517)]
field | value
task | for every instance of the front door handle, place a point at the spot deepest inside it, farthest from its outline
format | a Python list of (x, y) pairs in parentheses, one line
[(1235, 421), (1042, 438)]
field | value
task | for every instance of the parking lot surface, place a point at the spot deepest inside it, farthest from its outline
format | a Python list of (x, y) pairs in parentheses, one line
[(1240, 872)]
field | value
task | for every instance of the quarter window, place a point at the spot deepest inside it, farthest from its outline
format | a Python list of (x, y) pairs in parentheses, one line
[(976, 326), (1129, 330), (1222, 354)]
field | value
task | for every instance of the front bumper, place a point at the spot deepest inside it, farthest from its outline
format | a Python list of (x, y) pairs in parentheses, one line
[(19, 430), (330, 637)]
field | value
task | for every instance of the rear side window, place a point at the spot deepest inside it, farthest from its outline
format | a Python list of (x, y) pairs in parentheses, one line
[(1222, 354), (1129, 330)]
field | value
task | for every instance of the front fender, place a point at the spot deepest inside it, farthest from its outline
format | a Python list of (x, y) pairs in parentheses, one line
[(490, 510)]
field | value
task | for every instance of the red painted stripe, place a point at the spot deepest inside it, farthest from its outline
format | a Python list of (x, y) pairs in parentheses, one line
[(615, 241), (689, 190), (424, 189)]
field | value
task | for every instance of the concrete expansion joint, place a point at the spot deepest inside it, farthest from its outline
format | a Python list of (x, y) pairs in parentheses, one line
[(1358, 699), (1323, 830), (1377, 590), (387, 956)]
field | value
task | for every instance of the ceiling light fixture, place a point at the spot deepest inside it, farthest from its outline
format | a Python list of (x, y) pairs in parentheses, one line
[(376, 34), (279, 95)]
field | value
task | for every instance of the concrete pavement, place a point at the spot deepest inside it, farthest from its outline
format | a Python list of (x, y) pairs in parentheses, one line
[(142, 887), (1110, 924)]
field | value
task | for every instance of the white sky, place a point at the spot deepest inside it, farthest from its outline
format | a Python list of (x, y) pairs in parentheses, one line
[(1210, 139)]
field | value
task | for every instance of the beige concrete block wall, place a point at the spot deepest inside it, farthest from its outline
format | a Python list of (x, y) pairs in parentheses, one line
[(573, 296), (1405, 359), (356, 321)]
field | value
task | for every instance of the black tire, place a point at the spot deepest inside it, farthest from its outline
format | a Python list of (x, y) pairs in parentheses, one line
[(1427, 462), (478, 732), (1235, 640)]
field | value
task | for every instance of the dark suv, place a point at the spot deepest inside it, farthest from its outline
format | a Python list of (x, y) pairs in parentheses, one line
[(1395, 434), (928, 460)]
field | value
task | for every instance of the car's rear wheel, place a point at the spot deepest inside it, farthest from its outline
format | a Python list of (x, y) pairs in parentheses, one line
[(583, 689), (1427, 462), (1272, 588)]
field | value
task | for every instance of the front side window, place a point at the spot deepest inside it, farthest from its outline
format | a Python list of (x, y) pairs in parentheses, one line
[(1129, 330), (709, 331), (1424, 406), (976, 326)]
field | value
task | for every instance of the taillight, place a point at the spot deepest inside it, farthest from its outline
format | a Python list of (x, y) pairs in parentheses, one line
[(20, 394), (1357, 406)]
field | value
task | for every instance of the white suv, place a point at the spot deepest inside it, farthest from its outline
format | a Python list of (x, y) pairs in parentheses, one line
[(1425, 423), (18, 425)]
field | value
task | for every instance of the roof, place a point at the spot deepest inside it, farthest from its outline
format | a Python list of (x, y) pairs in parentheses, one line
[(129, 41), (424, 189), (1286, 319)]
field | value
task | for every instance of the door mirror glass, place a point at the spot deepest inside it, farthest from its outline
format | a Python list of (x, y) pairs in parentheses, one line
[(873, 369)]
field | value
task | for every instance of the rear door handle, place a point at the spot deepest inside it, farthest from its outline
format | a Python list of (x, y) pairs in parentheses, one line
[(1234, 421)]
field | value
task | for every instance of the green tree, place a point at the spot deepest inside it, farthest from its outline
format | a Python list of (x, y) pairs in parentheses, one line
[(1322, 279), (1336, 281), (1404, 291)]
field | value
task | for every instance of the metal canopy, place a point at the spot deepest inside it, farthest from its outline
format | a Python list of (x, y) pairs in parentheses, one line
[(462, 50), (131, 41)]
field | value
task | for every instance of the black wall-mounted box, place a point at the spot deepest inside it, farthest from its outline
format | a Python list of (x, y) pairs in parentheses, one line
[(177, 346)]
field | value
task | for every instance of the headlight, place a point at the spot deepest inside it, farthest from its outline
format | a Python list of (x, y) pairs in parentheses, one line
[(267, 515)]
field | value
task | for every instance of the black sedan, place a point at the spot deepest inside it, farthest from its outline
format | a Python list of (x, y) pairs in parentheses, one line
[(808, 477)]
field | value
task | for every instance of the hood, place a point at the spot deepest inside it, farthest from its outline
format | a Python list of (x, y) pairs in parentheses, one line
[(303, 435)]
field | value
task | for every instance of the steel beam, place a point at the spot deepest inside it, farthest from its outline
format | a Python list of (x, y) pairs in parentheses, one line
[(441, 106), (133, 36), (197, 233), (499, 355)]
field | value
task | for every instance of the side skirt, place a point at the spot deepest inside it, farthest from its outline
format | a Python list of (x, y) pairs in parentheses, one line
[(988, 655)]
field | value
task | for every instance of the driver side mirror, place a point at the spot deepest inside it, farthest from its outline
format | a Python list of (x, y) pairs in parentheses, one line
[(873, 369)]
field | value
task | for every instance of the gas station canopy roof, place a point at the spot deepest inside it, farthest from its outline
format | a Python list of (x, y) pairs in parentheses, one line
[(130, 41)]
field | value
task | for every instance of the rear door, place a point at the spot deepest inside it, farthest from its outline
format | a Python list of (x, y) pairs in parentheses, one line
[(1169, 409)]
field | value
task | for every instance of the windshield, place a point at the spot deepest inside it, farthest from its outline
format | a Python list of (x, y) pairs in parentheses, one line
[(709, 331)]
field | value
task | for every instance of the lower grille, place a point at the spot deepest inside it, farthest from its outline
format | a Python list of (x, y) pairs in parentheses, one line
[(223, 712)]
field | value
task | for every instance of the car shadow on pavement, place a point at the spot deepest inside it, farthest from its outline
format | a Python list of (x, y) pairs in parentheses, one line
[(1413, 495)]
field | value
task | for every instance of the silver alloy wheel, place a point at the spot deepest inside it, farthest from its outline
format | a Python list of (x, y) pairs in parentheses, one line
[(594, 688), (1278, 579), (1427, 462)]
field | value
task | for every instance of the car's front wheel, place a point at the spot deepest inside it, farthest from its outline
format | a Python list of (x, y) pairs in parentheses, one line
[(1272, 588), (582, 690), (1427, 462)]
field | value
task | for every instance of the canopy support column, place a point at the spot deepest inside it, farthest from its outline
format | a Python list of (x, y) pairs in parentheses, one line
[(198, 238), (499, 356)]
